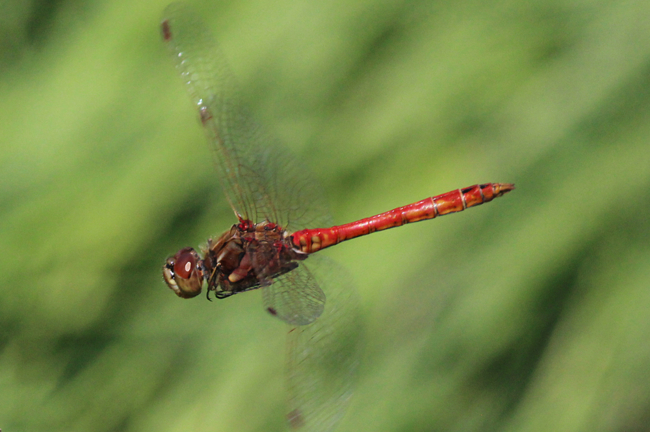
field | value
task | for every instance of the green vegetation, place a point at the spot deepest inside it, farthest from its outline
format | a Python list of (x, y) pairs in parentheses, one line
[(531, 313)]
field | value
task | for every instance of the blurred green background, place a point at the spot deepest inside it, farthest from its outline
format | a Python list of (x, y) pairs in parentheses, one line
[(531, 313)]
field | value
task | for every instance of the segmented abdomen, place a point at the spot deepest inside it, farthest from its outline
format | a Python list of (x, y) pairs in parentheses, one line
[(313, 240)]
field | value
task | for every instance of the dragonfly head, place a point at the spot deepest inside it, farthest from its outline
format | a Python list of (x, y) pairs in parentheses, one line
[(183, 273)]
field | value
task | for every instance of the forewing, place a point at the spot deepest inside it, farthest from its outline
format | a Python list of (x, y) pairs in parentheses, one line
[(323, 357), (260, 178), (295, 297)]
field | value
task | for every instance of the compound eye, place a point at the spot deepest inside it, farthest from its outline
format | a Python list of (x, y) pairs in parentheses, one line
[(184, 263), (183, 273)]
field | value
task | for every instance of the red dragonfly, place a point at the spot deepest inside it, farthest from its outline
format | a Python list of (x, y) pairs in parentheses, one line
[(267, 190)]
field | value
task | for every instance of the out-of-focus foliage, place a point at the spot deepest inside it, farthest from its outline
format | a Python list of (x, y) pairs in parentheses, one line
[(530, 313)]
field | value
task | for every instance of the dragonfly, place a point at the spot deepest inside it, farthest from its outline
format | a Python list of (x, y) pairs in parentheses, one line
[(282, 222)]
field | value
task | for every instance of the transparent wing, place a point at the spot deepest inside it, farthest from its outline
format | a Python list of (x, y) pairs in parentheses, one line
[(295, 297), (260, 179), (323, 357)]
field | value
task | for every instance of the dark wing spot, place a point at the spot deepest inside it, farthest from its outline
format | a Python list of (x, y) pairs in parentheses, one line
[(272, 311), (205, 114), (166, 31), (295, 419)]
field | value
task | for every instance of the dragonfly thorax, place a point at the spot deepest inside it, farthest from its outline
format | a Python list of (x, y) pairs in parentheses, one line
[(245, 257)]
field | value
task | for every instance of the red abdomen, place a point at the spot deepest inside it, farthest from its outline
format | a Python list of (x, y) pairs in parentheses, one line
[(312, 240)]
